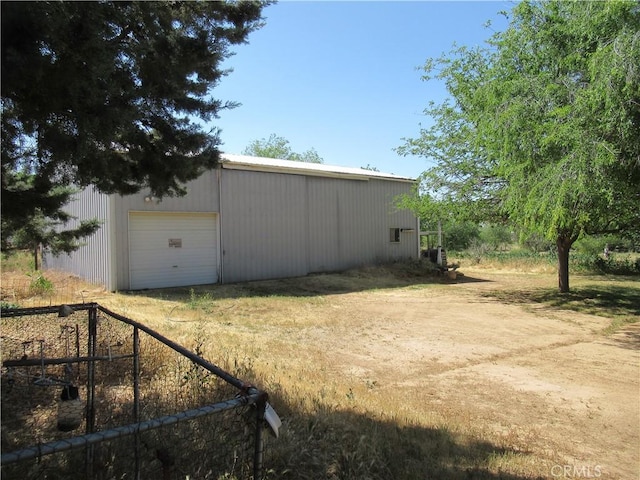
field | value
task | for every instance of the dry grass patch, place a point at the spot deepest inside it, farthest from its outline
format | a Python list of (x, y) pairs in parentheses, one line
[(376, 372), (337, 425), (37, 288)]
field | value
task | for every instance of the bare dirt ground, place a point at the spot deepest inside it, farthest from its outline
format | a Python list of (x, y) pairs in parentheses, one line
[(543, 381), (548, 378)]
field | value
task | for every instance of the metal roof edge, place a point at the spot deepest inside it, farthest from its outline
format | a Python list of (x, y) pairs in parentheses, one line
[(272, 165)]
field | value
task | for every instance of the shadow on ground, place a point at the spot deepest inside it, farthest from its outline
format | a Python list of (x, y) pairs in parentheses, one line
[(627, 337), (340, 444), (317, 441), (311, 285), (603, 300)]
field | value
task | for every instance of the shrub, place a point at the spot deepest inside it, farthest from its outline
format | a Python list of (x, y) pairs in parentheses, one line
[(594, 244), (496, 236), (459, 236), (8, 305), (478, 250), (40, 285), (594, 263), (537, 243)]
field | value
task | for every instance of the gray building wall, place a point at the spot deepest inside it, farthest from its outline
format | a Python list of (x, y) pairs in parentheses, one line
[(271, 225), (263, 225), (281, 225), (94, 260), (349, 222)]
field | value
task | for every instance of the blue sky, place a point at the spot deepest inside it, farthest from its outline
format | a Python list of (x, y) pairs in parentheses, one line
[(343, 78)]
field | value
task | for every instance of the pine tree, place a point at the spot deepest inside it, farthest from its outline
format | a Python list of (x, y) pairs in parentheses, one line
[(109, 94)]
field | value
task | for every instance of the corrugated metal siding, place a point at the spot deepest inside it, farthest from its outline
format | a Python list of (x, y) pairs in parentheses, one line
[(281, 225), (202, 196), (93, 261), (325, 251), (263, 225), (349, 223), (271, 225)]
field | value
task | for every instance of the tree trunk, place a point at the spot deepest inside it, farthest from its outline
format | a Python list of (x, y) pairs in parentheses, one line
[(564, 245), (35, 258)]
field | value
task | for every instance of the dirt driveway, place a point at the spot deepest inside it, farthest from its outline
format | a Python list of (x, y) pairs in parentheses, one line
[(548, 379)]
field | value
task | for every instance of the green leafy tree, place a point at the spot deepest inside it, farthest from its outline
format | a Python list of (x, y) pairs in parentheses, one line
[(497, 236), (460, 235), (109, 94), (278, 147), (541, 128)]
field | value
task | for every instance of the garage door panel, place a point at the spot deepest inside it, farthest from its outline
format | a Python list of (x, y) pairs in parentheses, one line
[(195, 259), (192, 261), (159, 278), (167, 249), (160, 241)]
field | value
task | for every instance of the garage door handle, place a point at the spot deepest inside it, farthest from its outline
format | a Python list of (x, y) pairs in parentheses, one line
[(175, 266)]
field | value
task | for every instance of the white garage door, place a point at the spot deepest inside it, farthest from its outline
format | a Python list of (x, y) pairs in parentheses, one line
[(172, 249)]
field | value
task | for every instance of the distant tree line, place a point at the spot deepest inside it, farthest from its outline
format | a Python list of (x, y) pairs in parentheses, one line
[(278, 147)]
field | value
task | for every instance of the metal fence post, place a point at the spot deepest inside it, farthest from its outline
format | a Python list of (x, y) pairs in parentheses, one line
[(261, 406), (91, 384), (136, 397), (91, 368)]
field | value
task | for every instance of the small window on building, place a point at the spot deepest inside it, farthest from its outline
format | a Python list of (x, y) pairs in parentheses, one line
[(394, 235)]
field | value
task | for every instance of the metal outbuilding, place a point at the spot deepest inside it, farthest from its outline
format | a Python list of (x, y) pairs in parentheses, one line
[(248, 219)]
